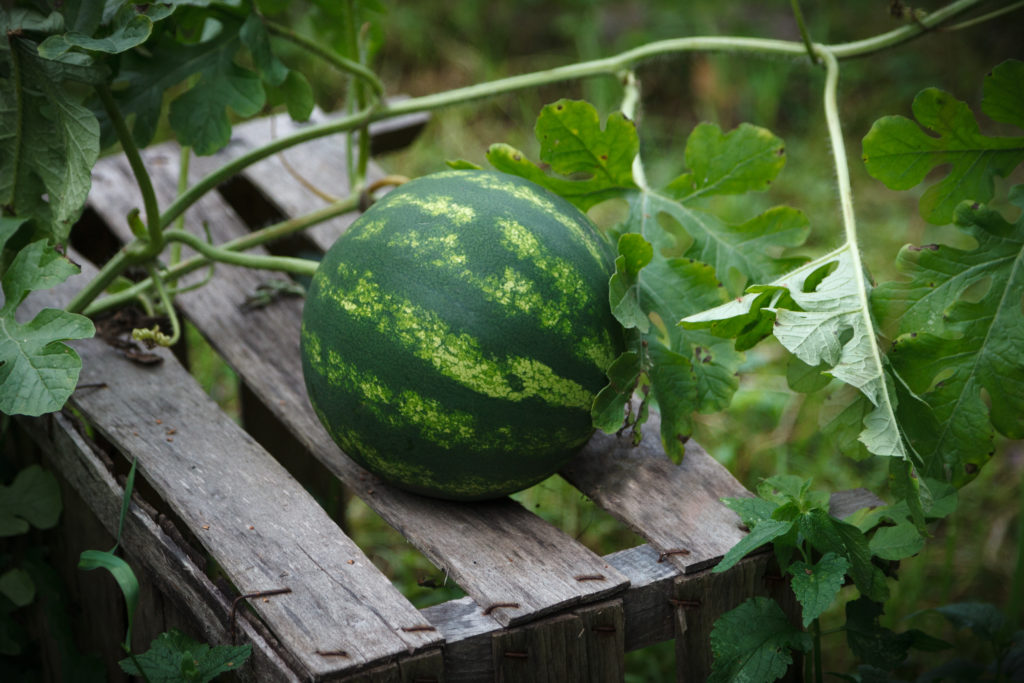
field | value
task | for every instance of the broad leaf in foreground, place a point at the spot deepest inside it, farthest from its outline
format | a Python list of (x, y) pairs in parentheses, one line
[(675, 258), (819, 313), (958, 323), (37, 371), (753, 643), (901, 153), (49, 141)]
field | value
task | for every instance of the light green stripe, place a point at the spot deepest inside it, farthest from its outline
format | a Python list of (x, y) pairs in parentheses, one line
[(582, 232), (450, 429), (436, 205), (456, 356)]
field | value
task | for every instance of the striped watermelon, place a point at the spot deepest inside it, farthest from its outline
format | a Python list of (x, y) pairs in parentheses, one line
[(453, 339)]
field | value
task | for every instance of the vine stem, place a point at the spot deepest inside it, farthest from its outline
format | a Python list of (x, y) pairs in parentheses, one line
[(600, 67), (239, 244), (285, 264), (165, 300), (131, 151)]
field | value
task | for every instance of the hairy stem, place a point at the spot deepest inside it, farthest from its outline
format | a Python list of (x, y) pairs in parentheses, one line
[(168, 304), (285, 264), (142, 178), (599, 67), (804, 33), (340, 63), (253, 239)]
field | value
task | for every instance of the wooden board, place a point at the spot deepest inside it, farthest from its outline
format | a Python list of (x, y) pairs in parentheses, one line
[(150, 551), (252, 517), (677, 508), (508, 559)]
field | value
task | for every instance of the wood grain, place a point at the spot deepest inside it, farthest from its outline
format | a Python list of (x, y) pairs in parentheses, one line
[(252, 517), (677, 508), (149, 550)]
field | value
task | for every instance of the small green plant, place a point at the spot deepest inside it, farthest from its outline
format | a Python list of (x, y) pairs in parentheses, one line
[(32, 499), (172, 657)]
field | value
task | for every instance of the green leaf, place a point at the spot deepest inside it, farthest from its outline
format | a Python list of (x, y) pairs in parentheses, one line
[(298, 96), (753, 643), (173, 657), (573, 143), (37, 372), (871, 642), (752, 511), (958, 324), (609, 405), (48, 140), (1001, 100), (123, 575), (17, 586), (896, 542), (199, 115), (823, 321), (817, 585), (32, 498), (744, 160), (762, 533), (37, 266), (828, 534), (624, 288), (900, 153), (130, 26), (254, 36)]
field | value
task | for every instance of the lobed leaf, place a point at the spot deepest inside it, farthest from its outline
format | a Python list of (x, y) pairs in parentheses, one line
[(173, 657), (817, 312), (958, 321), (49, 141), (673, 255), (901, 153), (753, 643)]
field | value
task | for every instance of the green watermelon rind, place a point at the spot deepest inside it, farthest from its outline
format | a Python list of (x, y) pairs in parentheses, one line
[(453, 339)]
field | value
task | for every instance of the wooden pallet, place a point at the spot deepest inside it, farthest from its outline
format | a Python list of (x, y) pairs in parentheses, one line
[(540, 606)]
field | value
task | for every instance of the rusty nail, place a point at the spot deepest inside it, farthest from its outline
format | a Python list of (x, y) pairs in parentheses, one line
[(246, 596), (332, 653), (515, 654), (422, 627), (604, 629), (675, 551), (589, 577), (499, 605)]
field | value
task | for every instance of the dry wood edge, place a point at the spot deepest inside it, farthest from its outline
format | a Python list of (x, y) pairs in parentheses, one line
[(516, 559), (150, 548), (217, 480)]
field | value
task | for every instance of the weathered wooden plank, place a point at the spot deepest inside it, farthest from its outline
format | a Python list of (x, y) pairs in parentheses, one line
[(149, 550), (253, 518), (498, 552), (702, 598), (677, 508)]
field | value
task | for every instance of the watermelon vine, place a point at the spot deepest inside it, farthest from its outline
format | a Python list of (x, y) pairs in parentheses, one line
[(931, 364)]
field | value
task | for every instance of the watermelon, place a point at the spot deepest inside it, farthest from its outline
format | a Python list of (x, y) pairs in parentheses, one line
[(454, 338)]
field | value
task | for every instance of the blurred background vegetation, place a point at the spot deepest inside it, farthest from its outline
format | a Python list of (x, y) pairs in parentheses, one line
[(433, 45)]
